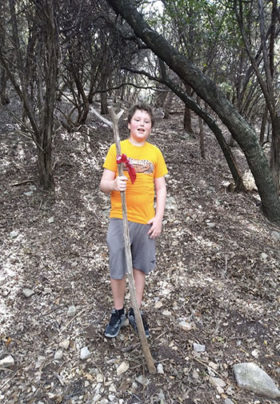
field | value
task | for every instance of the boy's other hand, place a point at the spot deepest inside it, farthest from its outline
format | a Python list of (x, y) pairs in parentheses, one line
[(120, 183), (156, 227)]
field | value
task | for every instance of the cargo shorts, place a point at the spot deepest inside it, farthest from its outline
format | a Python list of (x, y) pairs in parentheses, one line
[(142, 248)]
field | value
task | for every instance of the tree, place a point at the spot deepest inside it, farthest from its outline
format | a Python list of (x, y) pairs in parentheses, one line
[(266, 20), (35, 48), (210, 93)]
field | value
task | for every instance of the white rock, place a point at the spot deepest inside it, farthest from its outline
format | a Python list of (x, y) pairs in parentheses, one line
[(14, 234), (252, 377), (198, 347), (185, 325), (255, 353), (264, 257), (124, 366), (167, 313), (228, 401), (213, 365), (211, 225), (275, 235), (217, 382), (64, 344), (160, 369), (71, 311), (85, 353), (158, 305), (99, 378), (58, 355), (27, 292), (112, 388), (51, 220), (7, 362), (142, 380)]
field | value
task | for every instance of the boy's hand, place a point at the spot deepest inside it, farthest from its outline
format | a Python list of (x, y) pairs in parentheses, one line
[(120, 183), (156, 227)]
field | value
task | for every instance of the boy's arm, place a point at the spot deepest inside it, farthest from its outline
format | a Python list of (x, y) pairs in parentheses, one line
[(156, 222), (109, 182)]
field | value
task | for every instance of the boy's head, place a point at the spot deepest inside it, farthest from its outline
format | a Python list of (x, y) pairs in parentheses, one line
[(141, 106)]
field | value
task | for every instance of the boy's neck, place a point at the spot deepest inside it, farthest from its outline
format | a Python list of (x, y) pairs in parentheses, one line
[(135, 143)]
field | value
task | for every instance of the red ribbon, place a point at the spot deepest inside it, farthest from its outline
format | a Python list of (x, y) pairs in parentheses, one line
[(130, 168)]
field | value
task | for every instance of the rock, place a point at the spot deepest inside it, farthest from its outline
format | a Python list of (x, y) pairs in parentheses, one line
[(167, 313), (255, 353), (71, 311), (85, 353), (64, 344), (217, 382), (264, 257), (160, 369), (27, 292), (124, 366), (228, 401), (99, 378), (211, 225), (158, 305), (275, 235), (51, 220), (198, 347), (14, 234), (58, 355), (142, 380), (185, 325), (7, 362), (252, 377)]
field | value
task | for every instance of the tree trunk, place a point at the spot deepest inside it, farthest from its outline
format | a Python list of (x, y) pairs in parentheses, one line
[(187, 114), (275, 147), (201, 134), (4, 99), (209, 92), (263, 125)]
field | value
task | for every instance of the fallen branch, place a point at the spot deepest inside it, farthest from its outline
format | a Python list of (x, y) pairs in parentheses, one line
[(139, 322)]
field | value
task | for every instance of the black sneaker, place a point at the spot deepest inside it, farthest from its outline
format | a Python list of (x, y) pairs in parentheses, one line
[(132, 321), (116, 322)]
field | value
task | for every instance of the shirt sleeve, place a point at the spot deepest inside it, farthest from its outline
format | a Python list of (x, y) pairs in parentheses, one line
[(110, 162), (160, 169)]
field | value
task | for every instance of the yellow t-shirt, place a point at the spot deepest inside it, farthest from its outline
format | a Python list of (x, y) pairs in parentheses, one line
[(149, 164)]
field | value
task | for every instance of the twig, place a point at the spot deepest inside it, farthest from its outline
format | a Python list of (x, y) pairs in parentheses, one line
[(207, 366), (16, 184), (73, 318)]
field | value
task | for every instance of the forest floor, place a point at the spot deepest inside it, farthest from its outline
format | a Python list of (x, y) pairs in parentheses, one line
[(216, 282)]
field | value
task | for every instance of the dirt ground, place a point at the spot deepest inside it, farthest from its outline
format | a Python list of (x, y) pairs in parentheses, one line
[(216, 282)]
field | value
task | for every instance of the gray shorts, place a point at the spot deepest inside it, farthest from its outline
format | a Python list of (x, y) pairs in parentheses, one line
[(142, 248)]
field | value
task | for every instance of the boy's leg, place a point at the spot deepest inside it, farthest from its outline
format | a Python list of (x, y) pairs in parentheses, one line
[(118, 315), (118, 291), (139, 279)]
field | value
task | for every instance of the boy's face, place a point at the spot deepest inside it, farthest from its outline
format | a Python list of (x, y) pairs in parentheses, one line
[(140, 126)]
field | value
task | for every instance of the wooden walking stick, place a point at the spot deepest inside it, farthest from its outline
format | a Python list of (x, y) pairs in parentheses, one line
[(141, 332)]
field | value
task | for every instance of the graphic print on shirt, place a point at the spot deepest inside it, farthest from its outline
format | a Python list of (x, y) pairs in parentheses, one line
[(142, 166)]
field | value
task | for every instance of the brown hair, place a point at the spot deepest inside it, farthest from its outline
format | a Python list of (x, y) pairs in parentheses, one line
[(142, 107)]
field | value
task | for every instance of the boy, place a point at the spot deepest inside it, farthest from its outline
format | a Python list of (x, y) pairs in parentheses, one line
[(145, 224)]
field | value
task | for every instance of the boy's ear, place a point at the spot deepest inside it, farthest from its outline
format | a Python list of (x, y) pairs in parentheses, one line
[(128, 125)]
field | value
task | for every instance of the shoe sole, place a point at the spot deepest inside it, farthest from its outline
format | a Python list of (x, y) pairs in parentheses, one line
[(113, 336)]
